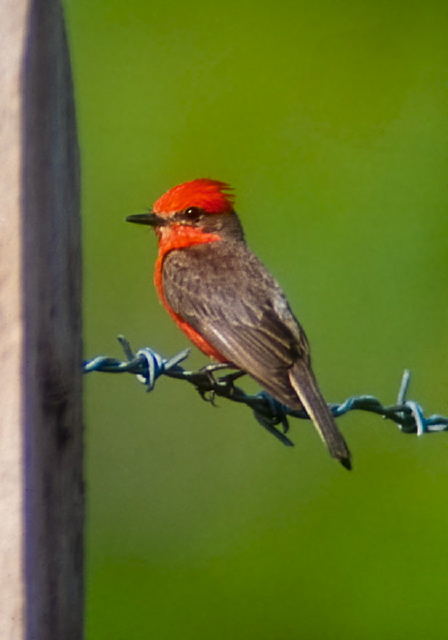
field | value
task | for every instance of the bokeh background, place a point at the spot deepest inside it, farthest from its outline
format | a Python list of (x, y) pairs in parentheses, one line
[(330, 120)]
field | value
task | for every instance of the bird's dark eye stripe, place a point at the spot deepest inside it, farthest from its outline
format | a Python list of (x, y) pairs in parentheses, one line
[(193, 212), (189, 216)]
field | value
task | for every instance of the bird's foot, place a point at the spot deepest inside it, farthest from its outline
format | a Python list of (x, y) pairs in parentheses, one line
[(208, 395), (228, 382), (209, 369), (208, 391), (206, 387)]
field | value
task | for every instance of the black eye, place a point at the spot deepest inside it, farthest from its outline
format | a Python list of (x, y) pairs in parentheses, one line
[(193, 213)]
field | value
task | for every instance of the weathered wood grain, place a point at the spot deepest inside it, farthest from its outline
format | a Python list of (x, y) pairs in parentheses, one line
[(41, 486)]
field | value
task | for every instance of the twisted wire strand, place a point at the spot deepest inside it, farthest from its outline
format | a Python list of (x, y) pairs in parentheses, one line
[(149, 366)]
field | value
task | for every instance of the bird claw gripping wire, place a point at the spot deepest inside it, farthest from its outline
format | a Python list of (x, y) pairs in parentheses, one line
[(148, 366), (205, 382), (223, 386)]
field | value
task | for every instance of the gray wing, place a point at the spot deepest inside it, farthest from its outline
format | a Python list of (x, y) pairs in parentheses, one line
[(240, 309)]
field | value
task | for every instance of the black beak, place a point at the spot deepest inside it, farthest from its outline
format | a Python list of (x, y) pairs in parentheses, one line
[(146, 218)]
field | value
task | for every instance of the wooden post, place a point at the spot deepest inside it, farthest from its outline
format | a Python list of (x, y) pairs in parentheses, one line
[(41, 482)]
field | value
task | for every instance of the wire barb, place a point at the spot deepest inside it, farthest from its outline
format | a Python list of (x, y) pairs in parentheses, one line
[(149, 366)]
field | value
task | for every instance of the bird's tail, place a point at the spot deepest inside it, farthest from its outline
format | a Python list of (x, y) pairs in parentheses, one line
[(305, 385)]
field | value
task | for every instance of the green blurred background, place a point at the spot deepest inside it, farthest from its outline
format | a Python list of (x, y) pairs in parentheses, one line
[(330, 120)]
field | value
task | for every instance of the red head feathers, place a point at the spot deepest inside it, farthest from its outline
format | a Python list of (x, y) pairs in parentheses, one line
[(210, 195)]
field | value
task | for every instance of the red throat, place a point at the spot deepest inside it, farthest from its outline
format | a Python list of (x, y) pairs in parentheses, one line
[(211, 196), (177, 240)]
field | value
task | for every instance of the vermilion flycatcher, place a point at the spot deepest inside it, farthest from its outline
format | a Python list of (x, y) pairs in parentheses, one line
[(228, 304)]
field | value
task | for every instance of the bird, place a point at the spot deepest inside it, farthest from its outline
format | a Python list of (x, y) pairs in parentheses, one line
[(228, 303)]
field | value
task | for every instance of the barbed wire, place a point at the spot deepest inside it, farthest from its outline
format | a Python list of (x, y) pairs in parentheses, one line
[(149, 366)]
